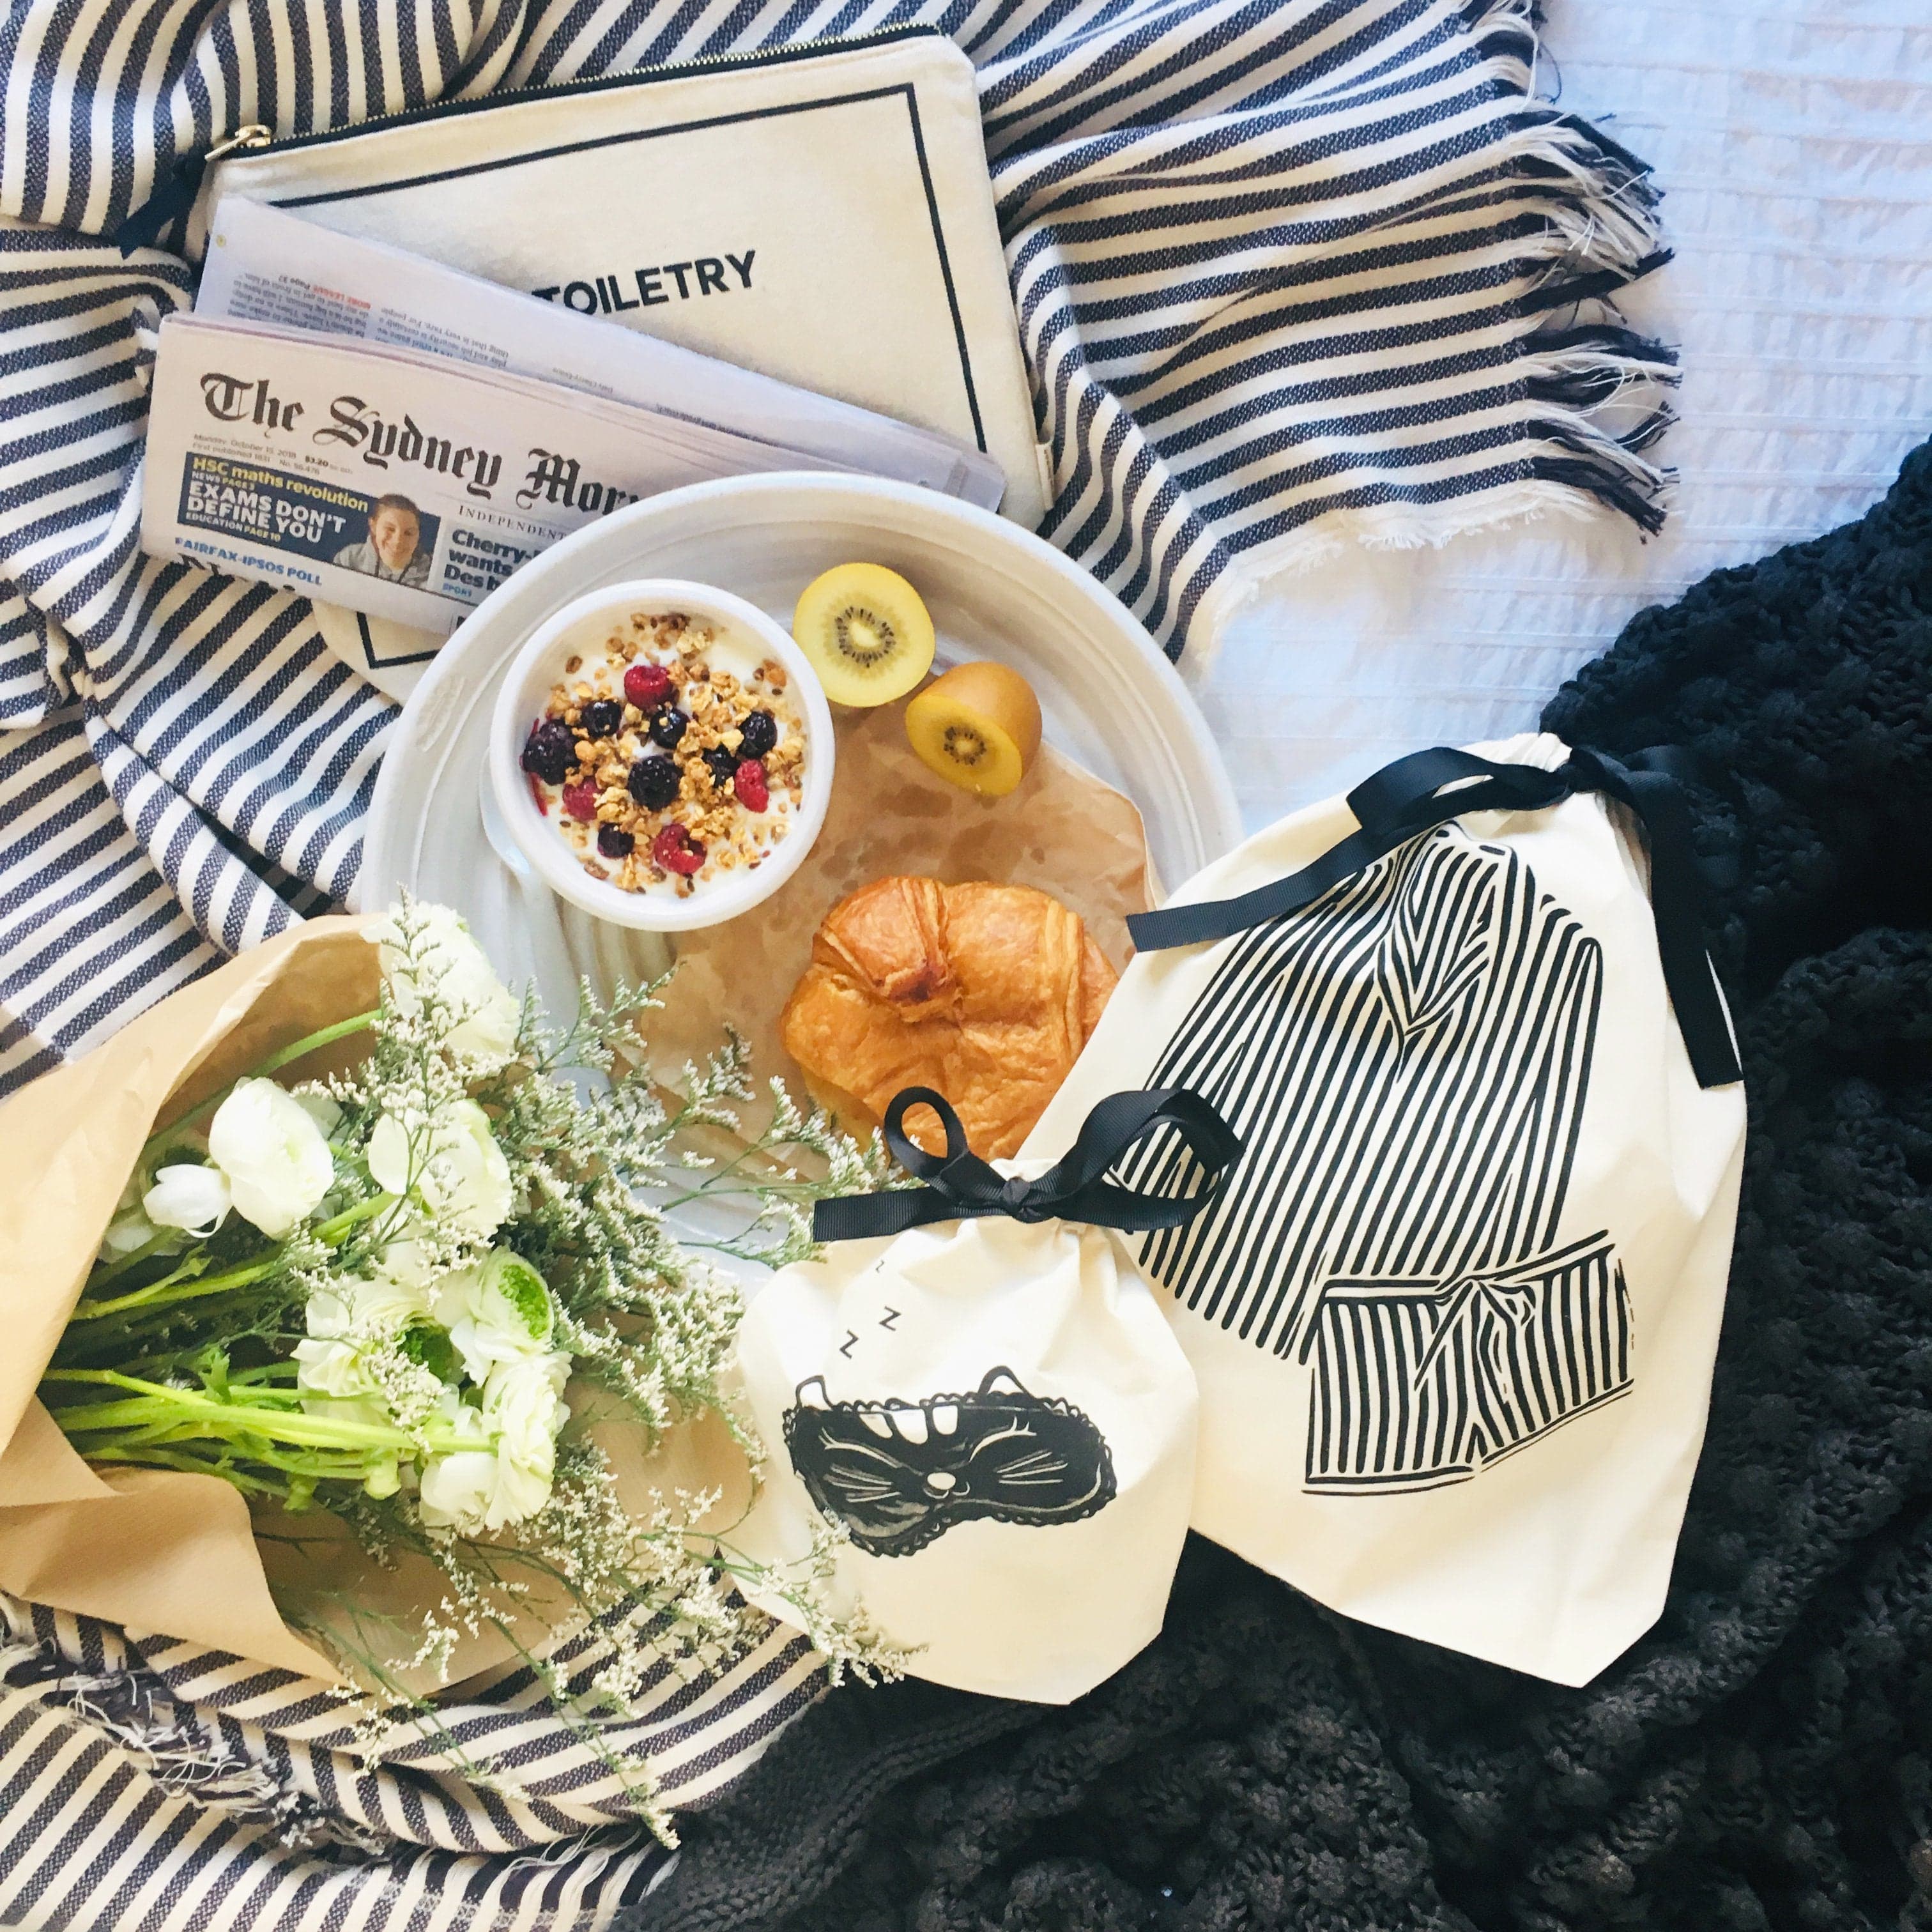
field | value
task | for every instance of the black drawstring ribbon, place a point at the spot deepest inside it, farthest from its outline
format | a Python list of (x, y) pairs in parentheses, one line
[(1406, 799), (960, 1186)]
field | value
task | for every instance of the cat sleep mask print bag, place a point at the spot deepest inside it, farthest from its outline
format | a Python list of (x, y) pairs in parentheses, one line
[(1453, 1311), (976, 1392)]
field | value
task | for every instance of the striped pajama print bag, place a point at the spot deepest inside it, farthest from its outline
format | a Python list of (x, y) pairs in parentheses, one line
[(1452, 1314), (1419, 1383)]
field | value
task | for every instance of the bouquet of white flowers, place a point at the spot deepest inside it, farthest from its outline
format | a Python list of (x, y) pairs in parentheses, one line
[(409, 1294)]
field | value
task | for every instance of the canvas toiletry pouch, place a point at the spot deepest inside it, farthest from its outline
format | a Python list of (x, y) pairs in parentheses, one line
[(1454, 1310), (976, 1387), (822, 213)]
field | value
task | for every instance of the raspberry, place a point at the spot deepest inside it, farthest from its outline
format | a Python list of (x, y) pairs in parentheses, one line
[(580, 800), (677, 851), (646, 685), (749, 783)]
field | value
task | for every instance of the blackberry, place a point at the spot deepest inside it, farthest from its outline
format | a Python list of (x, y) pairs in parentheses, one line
[(653, 783), (602, 718), (722, 765), (612, 843), (549, 751), (760, 732), (667, 726)]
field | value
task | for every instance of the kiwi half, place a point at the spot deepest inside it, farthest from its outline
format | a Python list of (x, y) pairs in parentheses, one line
[(977, 727), (866, 631)]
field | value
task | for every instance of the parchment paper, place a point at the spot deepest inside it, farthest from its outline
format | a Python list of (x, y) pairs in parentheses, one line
[(167, 1552), (155, 1550), (1062, 830)]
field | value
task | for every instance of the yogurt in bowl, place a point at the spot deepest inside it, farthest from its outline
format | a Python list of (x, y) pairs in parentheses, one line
[(662, 754)]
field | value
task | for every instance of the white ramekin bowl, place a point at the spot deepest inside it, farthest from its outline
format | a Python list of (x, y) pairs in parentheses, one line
[(580, 629)]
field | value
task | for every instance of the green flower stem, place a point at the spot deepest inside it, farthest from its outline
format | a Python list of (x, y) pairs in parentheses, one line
[(173, 1289), (263, 1414), (145, 1252), (324, 1036), (157, 1293), (194, 1465), (336, 1229)]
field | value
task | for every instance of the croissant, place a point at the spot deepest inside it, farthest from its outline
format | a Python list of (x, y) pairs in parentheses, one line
[(985, 993)]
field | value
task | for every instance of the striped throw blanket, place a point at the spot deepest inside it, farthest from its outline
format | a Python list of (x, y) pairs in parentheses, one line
[(1288, 273), (148, 1783)]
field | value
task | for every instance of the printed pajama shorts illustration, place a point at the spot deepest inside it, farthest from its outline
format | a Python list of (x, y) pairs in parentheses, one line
[(1407, 1061), (900, 1474), (1420, 1384)]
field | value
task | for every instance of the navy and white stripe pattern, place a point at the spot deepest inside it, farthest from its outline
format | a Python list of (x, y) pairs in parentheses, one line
[(1419, 1384), (1286, 270), (1406, 1061), (149, 1783)]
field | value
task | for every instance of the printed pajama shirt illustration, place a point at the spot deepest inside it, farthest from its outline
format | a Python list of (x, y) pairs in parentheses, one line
[(899, 1474), (1406, 1061)]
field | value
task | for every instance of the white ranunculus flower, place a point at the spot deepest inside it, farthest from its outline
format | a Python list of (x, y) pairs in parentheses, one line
[(195, 1198), (456, 1490), (383, 1303), (474, 1490), (278, 1165), (322, 1108), (450, 962), (408, 1262), (130, 1229), (329, 1315), (365, 1308), (332, 1368), (523, 1401), (463, 1178), (500, 1312)]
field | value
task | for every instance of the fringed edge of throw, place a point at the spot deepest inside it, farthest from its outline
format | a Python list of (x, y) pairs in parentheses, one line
[(1598, 384), (1594, 390), (188, 1760)]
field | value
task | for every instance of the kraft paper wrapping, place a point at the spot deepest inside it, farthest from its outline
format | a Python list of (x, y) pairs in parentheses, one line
[(160, 1551), (1063, 831), (156, 1550)]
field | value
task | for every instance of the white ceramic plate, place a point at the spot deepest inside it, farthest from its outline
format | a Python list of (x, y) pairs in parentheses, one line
[(1111, 700)]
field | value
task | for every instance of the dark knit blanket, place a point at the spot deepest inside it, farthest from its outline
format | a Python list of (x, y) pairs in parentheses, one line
[(1763, 1757)]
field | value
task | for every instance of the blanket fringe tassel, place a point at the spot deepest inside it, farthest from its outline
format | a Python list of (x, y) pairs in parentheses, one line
[(1598, 383)]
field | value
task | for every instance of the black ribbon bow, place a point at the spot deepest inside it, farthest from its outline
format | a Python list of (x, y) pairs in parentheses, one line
[(960, 1186), (1406, 798)]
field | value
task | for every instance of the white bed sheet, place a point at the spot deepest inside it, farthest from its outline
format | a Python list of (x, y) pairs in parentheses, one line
[(1793, 139)]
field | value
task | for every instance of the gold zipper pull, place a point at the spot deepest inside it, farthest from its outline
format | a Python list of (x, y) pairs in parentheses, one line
[(253, 135)]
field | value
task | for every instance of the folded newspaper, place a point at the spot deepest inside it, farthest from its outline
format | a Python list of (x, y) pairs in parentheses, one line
[(263, 266), (404, 484)]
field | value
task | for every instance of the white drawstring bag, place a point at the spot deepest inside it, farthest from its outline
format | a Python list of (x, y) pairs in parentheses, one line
[(985, 1399), (1453, 1311)]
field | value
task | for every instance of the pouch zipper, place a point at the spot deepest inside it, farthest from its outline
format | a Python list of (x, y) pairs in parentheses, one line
[(175, 196)]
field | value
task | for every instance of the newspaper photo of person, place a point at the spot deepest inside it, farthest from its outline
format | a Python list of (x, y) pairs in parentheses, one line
[(392, 550)]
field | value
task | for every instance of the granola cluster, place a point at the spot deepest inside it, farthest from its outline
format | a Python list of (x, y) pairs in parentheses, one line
[(667, 768)]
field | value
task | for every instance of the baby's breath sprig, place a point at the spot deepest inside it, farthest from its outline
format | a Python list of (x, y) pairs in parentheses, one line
[(387, 1294)]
